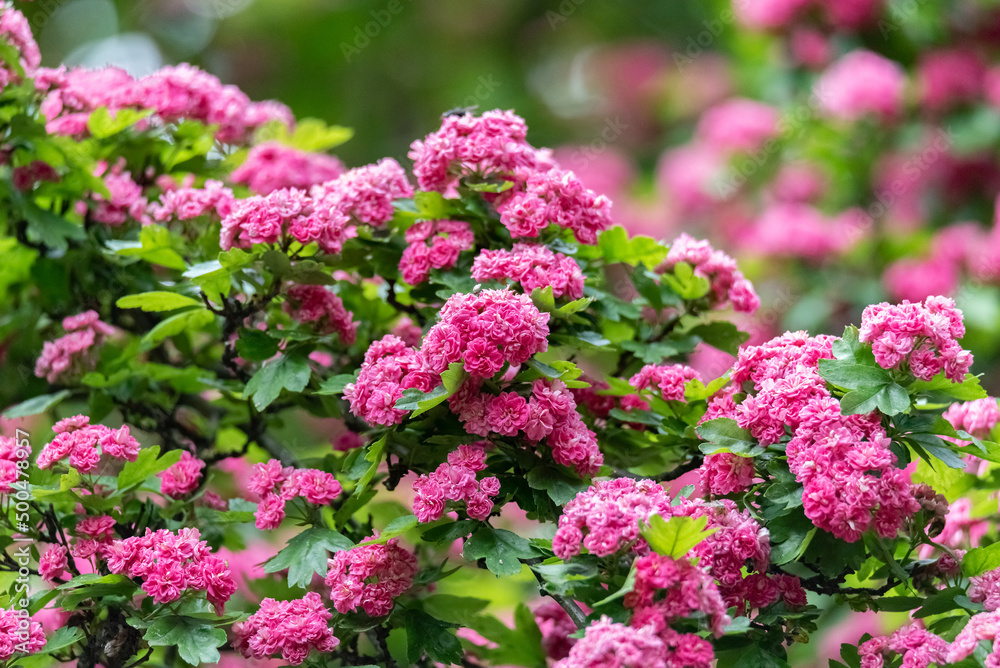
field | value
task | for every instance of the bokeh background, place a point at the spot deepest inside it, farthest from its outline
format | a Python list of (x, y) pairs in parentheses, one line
[(826, 213)]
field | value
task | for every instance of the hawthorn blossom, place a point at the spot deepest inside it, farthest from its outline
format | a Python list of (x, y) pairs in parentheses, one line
[(293, 628), (74, 353), (370, 577)]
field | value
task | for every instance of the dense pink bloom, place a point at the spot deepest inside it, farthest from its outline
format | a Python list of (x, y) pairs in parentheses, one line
[(19, 633), (555, 196), (74, 353), (53, 563), (738, 125), (183, 477), (667, 380), (270, 512), (455, 481), (434, 244), (171, 563), (849, 474), (607, 644), (315, 486), (275, 485), (667, 590), (726, 473), (281, 216), (800, 230), (186, 202), (976, 417), (861, 83), (370, 577), (918, 647), (982, 626), (985, 589), (12, 458), (913, 279), (762, 14), (126, 198), (727, 283), (921, 336), (492, 144), (272, 166), (605, 518), (79, 441), (389, 368), (532, 266), (293, 628), (364, 194), (316, 304), (485, 330)]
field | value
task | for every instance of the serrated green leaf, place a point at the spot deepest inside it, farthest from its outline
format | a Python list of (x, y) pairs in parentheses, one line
[(288, 372), (677, 536), (158, 301), (196, 640), (147, 464), (306, 555), (35, 405), (501, 549)]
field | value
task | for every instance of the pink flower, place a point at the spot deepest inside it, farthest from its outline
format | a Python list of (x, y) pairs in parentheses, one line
[(272, 166), (183, 477), (119, 443), (726, 473), (976, 417), (75, 353), (861, 83), (738, 125), (666, 380), (370, 577), (447, 239), (364, 194), (727, 283), (389, 368), (270, 512), (293, 628), (555, 196), (318, 305), (318, 487), (532, 266), (19, 634), (54, 563)]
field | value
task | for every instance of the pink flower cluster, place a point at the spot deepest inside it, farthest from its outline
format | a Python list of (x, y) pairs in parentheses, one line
[(455, 480), (556, 626), (606, 517), (316, 304), (918, 647), (183, 477), (862, 83), (532, 266), (172, 563), (798, 229), (370, 577), (491, 144), (667, 590), (976, 417), (486, 330), (726, 473), (79, 440), (666, 380), (738, 125), (293, 628), (785, 378), (276, 485), (365, 194), (549, 413), (73, 353), (555, 196), (13, 461), (985, 589), (728, 285), (15, 29), (922, 337), (848, 472), (608, 644), (126, 198), (283, 215), (390, 367), (19, 634), (982, 626), (185, 202), (272, 166), (447, 239), (53, 563), (95, 537), (174, 93)]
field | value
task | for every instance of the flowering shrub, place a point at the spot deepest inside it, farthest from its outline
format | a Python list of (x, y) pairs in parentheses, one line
[(275, 407)]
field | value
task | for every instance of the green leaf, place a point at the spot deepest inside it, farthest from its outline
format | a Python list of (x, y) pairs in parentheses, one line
[(686, 283), (677, 536), (852, 375), (543, 299), (615, 246), (158, 301), (373, 455), (453, 377), (756, 656), (288, 372), (63, 638), (454, 609), (144, 466), (978, 560), (544, 369), (561, 487), (186, 321), (942, 601), (449, 533), (336, 384), (724, 435), (196, 640), (501, 549), (306, 554), (891, 399), (724, 336), (255, 345), (102, 124), (396, 527), (431, 205), (419, 401), (425, 634), (50, 229), (968, 390), (520, 646), (35, 405), (154, 246)]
